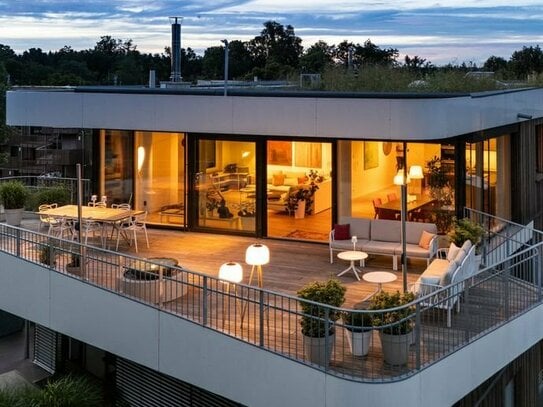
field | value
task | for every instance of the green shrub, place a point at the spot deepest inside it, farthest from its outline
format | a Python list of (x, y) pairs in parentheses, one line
[(59, 194), (357, 320), (70, 391), (466, 229), (13, 194), (397, 322), (331, 293)]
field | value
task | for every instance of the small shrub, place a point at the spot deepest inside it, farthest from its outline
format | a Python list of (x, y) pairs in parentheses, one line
[(47, 195), (331, 293), (13, 194), (397, 322), (70, 391)]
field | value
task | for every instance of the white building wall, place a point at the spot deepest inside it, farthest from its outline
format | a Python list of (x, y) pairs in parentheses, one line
[(356, 118), (229, 367)]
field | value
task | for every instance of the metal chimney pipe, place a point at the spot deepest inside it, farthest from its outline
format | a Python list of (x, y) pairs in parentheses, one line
[(152, 78), (175, 76)]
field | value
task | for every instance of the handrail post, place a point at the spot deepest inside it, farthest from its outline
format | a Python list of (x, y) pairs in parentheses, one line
[(18, 242), (507, 274), (261, 317), (417, 336), (326, 338), (204, 302)]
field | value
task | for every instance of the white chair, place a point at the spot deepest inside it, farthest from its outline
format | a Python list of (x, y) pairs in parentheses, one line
[(91, 226), (45, 220), (59, 227), (115, 226), (137, 223), (98, 204)]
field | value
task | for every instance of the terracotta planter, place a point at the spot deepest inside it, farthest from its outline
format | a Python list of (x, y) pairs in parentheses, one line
[(315, 349), (395, 348), (359, 342), (14, 216)]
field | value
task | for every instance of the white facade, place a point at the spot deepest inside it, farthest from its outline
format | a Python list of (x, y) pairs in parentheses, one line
[(394, 118)]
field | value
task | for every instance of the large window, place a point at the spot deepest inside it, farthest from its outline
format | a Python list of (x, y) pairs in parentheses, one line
[(374, 193), (117, 171), (299, 189), (488, 176), (225, 185), (160, 176)]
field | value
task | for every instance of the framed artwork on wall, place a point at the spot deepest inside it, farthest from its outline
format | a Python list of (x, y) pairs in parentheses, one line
[(371, 154), (308, 154), (279, 153)]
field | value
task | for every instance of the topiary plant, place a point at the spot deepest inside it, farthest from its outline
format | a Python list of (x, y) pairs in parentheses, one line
[(313, 321), (466, 229)]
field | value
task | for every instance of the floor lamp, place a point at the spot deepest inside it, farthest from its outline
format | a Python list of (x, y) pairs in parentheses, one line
[(230, 274), (256, 256), (402, 180)]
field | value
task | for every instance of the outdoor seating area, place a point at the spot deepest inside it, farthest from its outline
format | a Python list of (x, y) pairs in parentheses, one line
[(383, 237)]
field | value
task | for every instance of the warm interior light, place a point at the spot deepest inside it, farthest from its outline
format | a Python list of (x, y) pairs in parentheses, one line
[(245, 154), (398, 178), (141, 157), (257, 254), (415, 172), (231, 272)]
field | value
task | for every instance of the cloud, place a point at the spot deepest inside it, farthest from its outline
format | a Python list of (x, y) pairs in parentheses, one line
[(438, 30)]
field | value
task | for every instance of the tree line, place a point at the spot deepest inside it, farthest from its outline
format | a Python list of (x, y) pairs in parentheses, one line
[(276, 53)]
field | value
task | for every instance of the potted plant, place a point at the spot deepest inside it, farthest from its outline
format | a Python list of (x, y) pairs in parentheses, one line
[(74, 265), (46, 253), (359, 327), (247, 215), (396, 334), (13, 195), (467, 229), (301, 200), (317, 330)]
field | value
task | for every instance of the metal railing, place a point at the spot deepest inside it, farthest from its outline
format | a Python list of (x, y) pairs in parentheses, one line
[(271, 320)]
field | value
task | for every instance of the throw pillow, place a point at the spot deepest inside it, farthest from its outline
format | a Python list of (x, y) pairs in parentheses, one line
[(342, 232), (278, 179), (425, 239), (453, 251)]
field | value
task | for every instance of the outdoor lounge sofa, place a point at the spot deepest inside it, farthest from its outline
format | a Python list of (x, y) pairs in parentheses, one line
[(458, 266), (383, 237)]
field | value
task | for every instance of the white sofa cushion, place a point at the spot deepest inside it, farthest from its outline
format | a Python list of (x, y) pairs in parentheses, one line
[(379, 247), (414, 250), (413, 231), (360, 227), (348, 245), (448, 275), (436, 268), (453, 251)]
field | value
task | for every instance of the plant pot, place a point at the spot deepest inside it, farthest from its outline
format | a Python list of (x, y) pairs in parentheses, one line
[(247, 223), (76, 270), (14, 216), (359, 341), (315, 349), (395, 348), (299, 213)]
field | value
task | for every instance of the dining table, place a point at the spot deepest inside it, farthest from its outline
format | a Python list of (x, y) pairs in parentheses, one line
[(393, 209), (103, 215)]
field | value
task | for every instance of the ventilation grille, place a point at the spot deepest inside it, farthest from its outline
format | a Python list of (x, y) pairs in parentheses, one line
[(46, 348), (141, 386)]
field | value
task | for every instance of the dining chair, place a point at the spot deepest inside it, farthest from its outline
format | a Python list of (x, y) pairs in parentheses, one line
[(115, 226), (392, 197), (376, 203), (59, 227), (45, 220), (91, 226), (136, 224)]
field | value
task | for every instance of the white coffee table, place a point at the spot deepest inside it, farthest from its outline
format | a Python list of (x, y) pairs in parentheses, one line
[(379, 278), (352, 256)]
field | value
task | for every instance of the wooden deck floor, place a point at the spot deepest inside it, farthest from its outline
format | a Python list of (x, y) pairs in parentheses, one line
[(292, 265)]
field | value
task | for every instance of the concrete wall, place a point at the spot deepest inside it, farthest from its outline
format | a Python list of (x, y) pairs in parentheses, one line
[(357, 118), (230, 367)]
